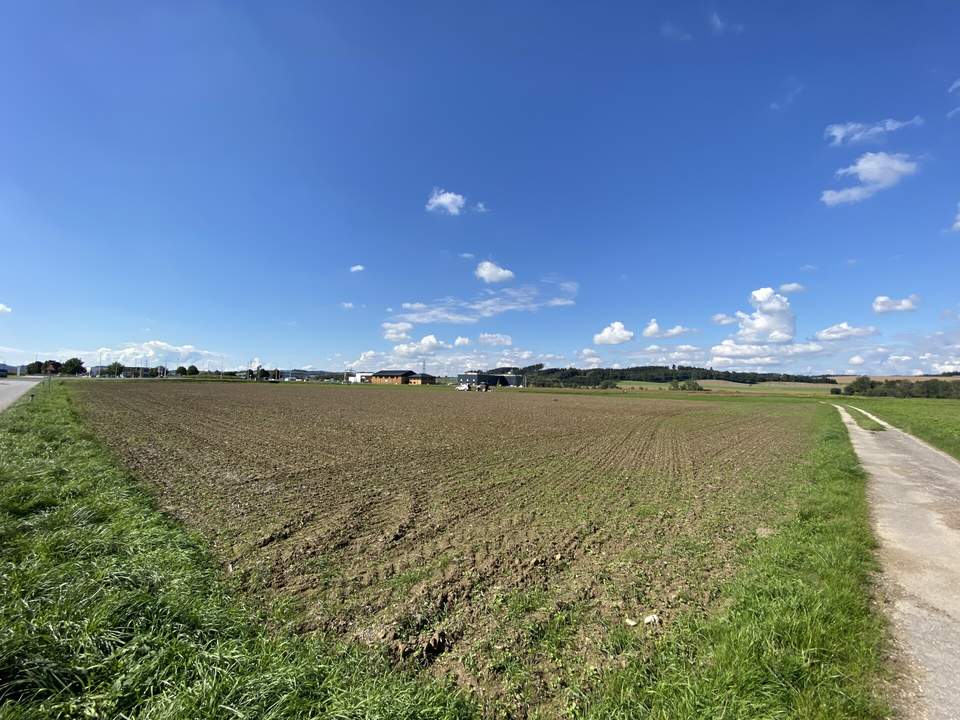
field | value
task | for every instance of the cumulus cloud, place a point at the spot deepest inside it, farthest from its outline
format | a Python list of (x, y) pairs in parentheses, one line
[(357, 268), (852, 133), (346, 305), (494, 339), (490, 272), (444, 201), (856, 360), (5, 309), (653, 329), (427, 345), (772, 319), (613, 334), (884, 304), (875, 172), (461, 341), (723, 319), (396, 331), (481, 207), (843, 331), (792, 287), (589, 358), (730, 353)]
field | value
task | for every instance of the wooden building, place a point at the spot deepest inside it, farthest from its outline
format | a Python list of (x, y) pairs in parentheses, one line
[(422, 379), (391, 377)]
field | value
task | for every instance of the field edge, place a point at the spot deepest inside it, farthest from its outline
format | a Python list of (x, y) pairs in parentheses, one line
[(110, 609)]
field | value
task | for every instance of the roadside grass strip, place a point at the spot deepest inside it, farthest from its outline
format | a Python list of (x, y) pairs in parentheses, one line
[(110, 610), (865, 421)]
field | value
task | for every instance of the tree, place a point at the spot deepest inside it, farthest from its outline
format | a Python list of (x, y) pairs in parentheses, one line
[(861, 386), (51, 367), (193, 370), (73, 366), (263, 374), (115, 369), (181, 370), (34, 368)]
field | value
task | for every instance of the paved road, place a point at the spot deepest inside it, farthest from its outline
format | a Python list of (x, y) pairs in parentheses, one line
[(10, 390), (915, 498)]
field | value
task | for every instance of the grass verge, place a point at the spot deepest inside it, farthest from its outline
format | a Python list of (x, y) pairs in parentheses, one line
[(935, 420), (798, 637), (861, 419), (108, 609)]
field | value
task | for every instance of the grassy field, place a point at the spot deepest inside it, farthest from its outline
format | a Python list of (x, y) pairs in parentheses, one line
[(936, 421), (734, 387)]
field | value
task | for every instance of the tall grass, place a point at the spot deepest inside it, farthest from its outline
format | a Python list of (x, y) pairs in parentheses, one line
[(109, 610), (798, 637)]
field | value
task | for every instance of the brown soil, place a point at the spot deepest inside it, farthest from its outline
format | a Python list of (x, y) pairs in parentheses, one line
[(503, 538)]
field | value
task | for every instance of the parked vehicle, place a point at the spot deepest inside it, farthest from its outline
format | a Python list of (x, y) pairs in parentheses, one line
[(463, 386)]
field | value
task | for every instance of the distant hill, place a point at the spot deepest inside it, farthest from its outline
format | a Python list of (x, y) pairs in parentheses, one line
[(538, 375)]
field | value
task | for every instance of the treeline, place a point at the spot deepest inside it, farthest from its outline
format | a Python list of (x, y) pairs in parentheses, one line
[(540, 376), (904, 388)]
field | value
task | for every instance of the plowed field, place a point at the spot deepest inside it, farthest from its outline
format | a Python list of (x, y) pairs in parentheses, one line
[(509, 539)]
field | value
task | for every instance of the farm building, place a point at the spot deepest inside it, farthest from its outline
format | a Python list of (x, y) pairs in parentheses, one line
[(391, 377), (359, 377), (422, 379), (476, 377)]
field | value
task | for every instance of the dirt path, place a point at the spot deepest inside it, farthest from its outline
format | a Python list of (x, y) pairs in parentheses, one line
[(915, 498), (10, 390)]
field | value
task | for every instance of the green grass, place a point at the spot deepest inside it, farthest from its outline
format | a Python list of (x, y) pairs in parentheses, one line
[(798, 638), (934, 420), (867, 423), (107, 609)]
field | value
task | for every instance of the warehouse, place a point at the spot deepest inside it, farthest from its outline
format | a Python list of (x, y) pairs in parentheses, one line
[(422, 379), (475, 377), (391, 377)]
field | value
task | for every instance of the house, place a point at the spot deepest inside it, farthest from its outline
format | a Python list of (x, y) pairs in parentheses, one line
[(359, 377), (391, 377), (422, 379)]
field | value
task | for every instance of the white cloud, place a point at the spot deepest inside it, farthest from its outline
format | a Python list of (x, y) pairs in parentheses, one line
[(720, 26), (653, 329), (427, 345), (489, 302), (844, 330), (589, 358), (856, 360), (5, 309), (495, 339), (808, 268), (461, 341), (346, 305), (444, 201), (950, 115), (672, 32), (396, 331), (723, 319), (357, 268), (730, 353), (772, 320), (466, 256), (955, 228), (613, 334), (875, 172), (792, 287), (490, 272), (899, 358), (852, 133), (884, 304), (955, 86), (481, 207)]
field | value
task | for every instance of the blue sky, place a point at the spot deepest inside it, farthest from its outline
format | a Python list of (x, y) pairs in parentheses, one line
[(776, 184)]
